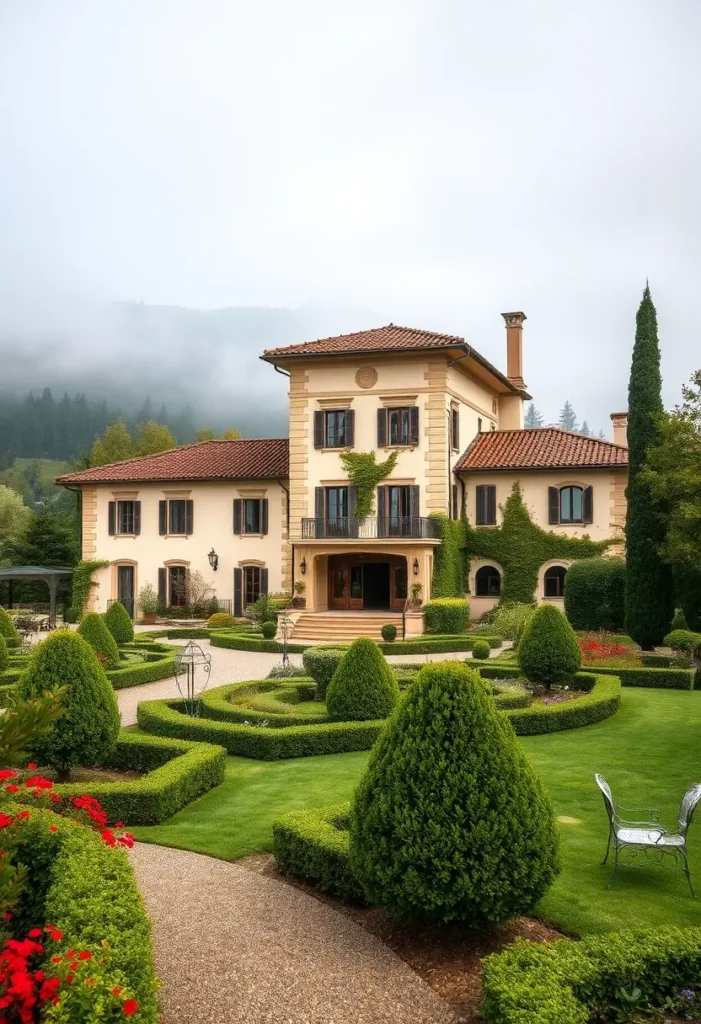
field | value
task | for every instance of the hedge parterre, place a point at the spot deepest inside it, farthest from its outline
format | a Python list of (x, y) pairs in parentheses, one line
[(432, 644)]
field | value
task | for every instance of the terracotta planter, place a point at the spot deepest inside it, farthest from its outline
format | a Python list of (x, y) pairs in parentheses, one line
[(299, 602), (148, 619)]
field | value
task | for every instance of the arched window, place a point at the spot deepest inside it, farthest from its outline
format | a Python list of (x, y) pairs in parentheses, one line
[(571, 505), (487, 582), (554, 581)]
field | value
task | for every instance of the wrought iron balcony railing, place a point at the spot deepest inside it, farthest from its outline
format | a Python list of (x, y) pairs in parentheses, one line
[(370, 528)]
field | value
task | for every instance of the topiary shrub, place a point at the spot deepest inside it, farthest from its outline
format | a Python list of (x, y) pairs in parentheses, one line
[(119, 624), (87, 730), (389, 633), (480, 649), (683, 640), (549, 652), (94, 630), (450, 822), (446, 615), (363, 687), (320, 663), (221, 620), (4, 656), (679, 620), (8, 631), (70, 615), (595, 594), (268, 629)]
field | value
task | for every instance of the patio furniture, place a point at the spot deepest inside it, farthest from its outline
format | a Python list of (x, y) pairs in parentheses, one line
[(644, 841)]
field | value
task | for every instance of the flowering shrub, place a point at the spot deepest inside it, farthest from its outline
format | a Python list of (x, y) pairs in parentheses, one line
[(28, 992), (600, 647)]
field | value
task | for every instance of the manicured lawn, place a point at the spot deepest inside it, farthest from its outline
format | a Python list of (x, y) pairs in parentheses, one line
[(650, 751)]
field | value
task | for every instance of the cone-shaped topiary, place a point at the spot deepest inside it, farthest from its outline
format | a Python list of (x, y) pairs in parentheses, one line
[(8, 631), (4, 656), (363, 686), (87, 730), (119, 624), (679, 620), (94, 630), (549, 652), (450, 822)]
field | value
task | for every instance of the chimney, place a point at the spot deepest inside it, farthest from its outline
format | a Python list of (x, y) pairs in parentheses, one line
[(514, 348), (620, 428)]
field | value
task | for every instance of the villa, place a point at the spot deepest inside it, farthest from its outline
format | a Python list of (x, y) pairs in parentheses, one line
[(257, 516)]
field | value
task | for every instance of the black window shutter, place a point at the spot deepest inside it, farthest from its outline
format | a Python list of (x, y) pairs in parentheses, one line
[(161, 584), (137, 517), (238, 593), (264, 515), (381, 428), (553, 505), (491, 519), (350, 427), (414, 425), (588, 502), (112, 518), (319, 429), (319, 512), (189, 520), (481, 504), (237, 515), (414, 510), (163, 517), (381, 511), (456, 430), (264, 581)]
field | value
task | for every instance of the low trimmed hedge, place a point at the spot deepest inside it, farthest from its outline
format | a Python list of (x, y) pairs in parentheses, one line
[(155, 666), (162, 718), (176, 773), (602, 701), (446, 615), (561, 982), (433, 644), (240, 642), (508, 697), (655, 678), (88, 891), (218, 705), (313, 844), (178, 633)]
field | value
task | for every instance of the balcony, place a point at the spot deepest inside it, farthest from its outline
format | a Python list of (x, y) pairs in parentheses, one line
[(371, 528)]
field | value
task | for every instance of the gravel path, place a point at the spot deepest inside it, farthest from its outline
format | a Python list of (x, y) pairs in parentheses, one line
[(232, 946)]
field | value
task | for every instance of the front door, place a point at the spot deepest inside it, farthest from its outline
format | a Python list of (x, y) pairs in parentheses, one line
[(125, 587), (338, 586)]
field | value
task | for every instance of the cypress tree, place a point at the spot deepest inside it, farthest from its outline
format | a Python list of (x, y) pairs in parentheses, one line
[(649, 586)]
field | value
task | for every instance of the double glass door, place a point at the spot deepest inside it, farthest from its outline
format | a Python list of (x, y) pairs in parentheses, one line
[(125, 587)]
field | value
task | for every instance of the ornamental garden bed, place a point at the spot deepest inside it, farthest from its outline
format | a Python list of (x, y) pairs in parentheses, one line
[(426, 644)]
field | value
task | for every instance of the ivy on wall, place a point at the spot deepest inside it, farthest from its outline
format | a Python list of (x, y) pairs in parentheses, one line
[(518, 546), (365, 473), (82, 582)]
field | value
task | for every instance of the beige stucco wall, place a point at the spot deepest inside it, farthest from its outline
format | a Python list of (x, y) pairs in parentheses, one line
[(608, 521), (212, 528)]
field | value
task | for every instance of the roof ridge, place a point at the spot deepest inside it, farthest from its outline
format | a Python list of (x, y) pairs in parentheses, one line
[(369, 330)]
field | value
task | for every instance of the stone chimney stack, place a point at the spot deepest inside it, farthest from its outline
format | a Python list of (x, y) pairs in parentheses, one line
[(620, 428), (514, 348)]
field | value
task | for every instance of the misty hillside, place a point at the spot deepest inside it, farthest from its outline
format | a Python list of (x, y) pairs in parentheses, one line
[(208, 359)]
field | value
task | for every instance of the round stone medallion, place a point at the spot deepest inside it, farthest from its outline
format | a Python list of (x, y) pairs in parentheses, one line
[(366, 377)]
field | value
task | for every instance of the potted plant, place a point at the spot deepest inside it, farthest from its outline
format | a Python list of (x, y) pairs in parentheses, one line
[(148, 603), (299, 601), (415, 591)]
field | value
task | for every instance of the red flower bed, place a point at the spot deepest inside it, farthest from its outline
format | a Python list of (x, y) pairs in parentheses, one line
[(601, 648)]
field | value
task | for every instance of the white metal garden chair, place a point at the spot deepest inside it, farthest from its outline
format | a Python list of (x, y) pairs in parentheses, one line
[(646, 841)]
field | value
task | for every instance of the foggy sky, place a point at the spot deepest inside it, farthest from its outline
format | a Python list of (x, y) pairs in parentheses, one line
[(438, 161)]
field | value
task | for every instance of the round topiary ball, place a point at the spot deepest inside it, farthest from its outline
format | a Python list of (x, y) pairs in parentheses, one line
[(86, 731), (8, 631), (221, 620), (268, 629), (363, 687), (549, 652), (480, 649), (389, 632), (94, 630), (119, 624), (4, 656), (450, 821)]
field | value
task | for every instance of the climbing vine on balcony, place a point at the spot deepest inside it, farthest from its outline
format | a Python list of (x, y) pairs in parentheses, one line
[(365, 473)]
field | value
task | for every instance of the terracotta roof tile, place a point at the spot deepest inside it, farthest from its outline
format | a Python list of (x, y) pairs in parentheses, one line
[(540, 448), (249, 459), (380, 339)]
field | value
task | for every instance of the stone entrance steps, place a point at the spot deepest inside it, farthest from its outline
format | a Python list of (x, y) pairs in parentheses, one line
[(339, 627)]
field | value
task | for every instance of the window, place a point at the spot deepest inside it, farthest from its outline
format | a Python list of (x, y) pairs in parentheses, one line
[(124, 518), (455, 429), (334, 428), (175, 516), (487, 582), (251, 584), (554, 581), (251, 516), (398, 511), (337, 503), (571, 504), (486, 505), (398, 427), (177, 585)]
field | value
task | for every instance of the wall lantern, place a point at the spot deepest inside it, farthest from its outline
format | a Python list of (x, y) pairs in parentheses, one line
[(416, 567), (303, 566), (213, 559)]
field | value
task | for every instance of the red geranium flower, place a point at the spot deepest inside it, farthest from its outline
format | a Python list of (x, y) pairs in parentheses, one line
[(85, 954), (53, 828), (117, 991), (130, 1007), (7, 773), (31, 765), (5, 820), (12, 788)]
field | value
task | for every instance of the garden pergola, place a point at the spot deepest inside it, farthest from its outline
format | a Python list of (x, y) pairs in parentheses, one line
[(32, 573)]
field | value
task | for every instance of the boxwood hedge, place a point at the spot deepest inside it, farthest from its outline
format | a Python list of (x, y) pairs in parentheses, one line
[(433, 644), (155, 666), (313, 844), (176, 773), (602, 701), (220, 704), (658, 678), (561, 982)]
